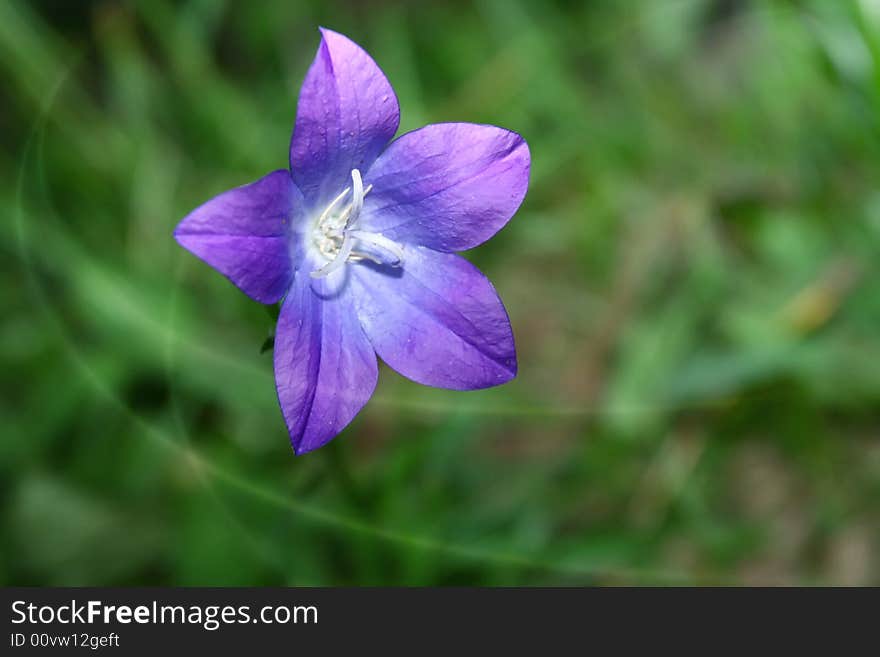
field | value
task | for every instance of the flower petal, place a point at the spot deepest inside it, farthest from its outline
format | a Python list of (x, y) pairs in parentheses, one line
[(244, 234), (347, 113), (448, 186), (325, 368), (437, 320)]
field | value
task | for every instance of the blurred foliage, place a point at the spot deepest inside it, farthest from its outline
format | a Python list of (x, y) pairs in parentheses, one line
[(693, 282)]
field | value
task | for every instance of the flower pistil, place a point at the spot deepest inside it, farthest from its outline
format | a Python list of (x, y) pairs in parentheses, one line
[(337, 238)]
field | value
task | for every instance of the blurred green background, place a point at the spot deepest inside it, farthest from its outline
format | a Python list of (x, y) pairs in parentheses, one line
[(692, 280)]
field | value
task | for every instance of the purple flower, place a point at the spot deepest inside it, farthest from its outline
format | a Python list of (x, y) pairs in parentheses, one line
[(358, 238)]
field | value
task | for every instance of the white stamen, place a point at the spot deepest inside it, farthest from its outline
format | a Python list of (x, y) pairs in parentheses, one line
[(377, 239), (323, 218), (338, 261)]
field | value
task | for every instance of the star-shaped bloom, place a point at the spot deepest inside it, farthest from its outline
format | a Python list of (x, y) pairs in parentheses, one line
[(359, 237)]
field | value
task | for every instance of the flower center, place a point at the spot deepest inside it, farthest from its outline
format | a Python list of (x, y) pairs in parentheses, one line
[(336, 236)]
